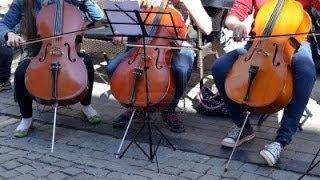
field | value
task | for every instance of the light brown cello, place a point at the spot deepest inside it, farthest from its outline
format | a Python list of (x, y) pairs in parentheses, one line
[(147, 81), (261, 79), (57, 74)]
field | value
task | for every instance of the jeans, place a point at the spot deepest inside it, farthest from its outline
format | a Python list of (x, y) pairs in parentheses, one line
[(6, 57), (182, 65), (304, 76), (25, 100)]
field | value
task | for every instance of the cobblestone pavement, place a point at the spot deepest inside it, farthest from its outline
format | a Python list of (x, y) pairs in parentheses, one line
[(86, 155)]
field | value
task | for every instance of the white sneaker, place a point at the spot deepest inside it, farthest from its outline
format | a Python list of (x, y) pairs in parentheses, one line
[(271, 153), (231, 138)]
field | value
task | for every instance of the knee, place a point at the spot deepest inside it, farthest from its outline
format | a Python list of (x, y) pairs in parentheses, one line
[(219, 71), (305, 69)]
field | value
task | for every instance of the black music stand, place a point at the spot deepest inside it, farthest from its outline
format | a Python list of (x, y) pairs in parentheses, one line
[(137, 20), (312, 164)]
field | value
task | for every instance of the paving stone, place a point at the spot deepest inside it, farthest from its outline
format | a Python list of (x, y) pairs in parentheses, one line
[(264, 178), (24, 160), (24, 169), (249, 176), (11, 164), (116, 175), (84, 176), (201, 168), (209, 177), (49, 159), (235, 165), (51, 168), (9, 174), (190, 175), (264, 171), (4, 149), (25, 177), (249, 167), (171, 170), (280, 174), (63, 164), (40, 172), (72, 171), (96, 172), (57, 176), (216, 161)]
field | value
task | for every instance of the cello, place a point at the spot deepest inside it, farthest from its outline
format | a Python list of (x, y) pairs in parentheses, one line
[(144, 78), (261, 80), (57, 74)]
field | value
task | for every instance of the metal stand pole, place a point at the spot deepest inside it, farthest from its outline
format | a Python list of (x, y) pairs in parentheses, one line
[(235, 146)]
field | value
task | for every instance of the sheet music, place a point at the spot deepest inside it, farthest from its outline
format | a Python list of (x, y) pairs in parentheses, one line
[(121, 17)]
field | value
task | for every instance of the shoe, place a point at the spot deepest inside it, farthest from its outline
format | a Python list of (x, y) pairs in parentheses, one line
[(20, 133), (5, 85), (230, 140), (172, 122), (271, 153), (122, 120), (94, 119)]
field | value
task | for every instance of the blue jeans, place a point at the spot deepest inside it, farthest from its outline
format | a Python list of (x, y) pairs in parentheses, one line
[(304, 76), (6, 57), (182, 64)]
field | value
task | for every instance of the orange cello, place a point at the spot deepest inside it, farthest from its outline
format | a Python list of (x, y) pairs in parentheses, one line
[(261, 79), (147, 81), (57, 74)]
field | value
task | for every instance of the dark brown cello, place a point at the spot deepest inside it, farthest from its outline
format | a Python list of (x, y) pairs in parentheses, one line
[(147, 81), (262, 79), (57, 74)]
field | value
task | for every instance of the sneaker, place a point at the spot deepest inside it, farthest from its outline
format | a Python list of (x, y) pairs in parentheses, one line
[(271, 153), (122, 120), (172, 122), (5, 85), (230, 140)]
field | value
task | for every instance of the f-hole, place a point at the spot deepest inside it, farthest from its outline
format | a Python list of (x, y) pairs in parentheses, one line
[(275, 55), (45, 53), (248, 58), (72, 60), (157, 60)]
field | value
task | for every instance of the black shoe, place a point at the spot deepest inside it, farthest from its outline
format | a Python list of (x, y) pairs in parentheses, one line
[(122, 120), (171, 120), (5, 85)]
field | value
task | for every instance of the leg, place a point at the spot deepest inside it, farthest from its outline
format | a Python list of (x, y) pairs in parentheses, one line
[(90, 70), (6, 57), (113, 64), (91, 114), (219, 72), (23, 97), (304, 74), (182, 65)]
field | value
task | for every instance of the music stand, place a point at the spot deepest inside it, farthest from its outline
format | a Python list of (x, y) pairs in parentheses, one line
[(137, 20)]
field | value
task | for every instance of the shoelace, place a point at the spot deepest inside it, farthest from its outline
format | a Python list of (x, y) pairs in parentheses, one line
[(234, 132), (274, 148)]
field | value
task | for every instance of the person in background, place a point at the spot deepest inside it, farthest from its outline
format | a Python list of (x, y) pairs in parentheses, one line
[(6, 53)]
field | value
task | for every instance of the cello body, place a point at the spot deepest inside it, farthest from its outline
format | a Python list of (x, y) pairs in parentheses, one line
[(57, 73), (261, 80), (141, 81)]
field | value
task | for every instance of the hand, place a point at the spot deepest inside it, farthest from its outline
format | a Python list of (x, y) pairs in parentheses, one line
[(240, 32), (14, 40), (120, 40)]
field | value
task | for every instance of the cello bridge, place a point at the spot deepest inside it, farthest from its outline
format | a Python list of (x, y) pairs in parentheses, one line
[(56, 51), (261, 51)]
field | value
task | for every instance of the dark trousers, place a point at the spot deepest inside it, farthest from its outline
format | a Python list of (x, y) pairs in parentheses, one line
[(6, 57), (24, 98)]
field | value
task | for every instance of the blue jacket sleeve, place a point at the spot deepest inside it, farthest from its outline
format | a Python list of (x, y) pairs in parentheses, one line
[(11, 19)]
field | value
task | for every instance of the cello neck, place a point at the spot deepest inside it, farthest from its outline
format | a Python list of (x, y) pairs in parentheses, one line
[(58, 20)]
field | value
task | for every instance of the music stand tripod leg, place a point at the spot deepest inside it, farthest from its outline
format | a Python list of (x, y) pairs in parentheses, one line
[(125, 133), (311, 166)]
